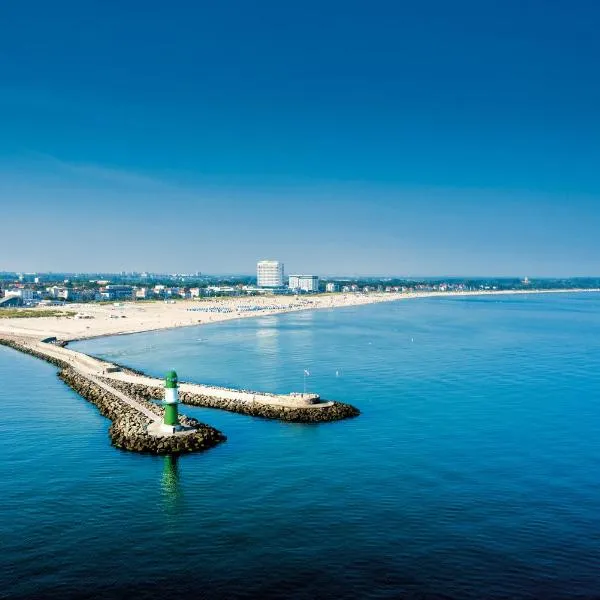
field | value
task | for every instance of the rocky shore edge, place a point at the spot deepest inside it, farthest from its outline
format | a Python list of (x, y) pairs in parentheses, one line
[(128, 430), (336, 412), (129, 427)]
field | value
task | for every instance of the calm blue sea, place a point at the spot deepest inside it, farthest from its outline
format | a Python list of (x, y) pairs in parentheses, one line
[(473, 471)]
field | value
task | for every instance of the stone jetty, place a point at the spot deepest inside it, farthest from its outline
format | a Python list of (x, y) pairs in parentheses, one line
[(128, 398), (130, 418), (295, 413), (129, 429)]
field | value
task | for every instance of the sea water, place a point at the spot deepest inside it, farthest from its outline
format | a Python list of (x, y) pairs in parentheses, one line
[(472, 472)]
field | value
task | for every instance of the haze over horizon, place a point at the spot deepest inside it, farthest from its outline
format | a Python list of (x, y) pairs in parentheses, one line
[(419, 139)]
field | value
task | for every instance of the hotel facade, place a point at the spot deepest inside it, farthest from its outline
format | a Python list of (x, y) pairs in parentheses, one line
[(304, 283), (269, 274)]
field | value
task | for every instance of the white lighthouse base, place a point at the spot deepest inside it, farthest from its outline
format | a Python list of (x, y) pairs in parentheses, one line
[(159, 429)]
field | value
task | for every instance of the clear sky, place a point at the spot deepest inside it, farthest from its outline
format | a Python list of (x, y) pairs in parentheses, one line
[(380, 137)]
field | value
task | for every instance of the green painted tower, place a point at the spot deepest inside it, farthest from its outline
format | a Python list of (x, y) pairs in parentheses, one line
[(171, 399)]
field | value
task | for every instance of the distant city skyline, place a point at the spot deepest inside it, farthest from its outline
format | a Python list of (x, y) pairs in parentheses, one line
[(425, 139)]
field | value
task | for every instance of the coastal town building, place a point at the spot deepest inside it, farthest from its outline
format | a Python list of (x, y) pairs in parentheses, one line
[(304, 283), (269, 274), (116, 292), (58, 292), (331, 287), (143, 293), (222, 290), (78, 294), (25, 294), (163, 291), (10, 302)]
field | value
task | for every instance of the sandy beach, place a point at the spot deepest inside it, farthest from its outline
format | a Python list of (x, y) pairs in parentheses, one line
[(82, 321)]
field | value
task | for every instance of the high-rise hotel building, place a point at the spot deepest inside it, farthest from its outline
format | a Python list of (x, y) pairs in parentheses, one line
[(269, 274)]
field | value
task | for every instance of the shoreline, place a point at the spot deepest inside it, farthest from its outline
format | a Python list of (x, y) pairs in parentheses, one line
[(126, 396), (97, 321)]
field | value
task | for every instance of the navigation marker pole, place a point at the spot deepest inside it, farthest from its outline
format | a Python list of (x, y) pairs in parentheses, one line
[(171, 400)]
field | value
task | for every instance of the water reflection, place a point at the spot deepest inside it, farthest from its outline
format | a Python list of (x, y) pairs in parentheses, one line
[(171, 489), (267, 341)]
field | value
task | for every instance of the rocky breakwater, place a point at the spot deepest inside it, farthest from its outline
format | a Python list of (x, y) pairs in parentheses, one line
[(129, 430), (27, 350), (330, 411)]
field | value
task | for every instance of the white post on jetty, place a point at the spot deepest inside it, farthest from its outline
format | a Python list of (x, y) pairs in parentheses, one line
[(306, 374)]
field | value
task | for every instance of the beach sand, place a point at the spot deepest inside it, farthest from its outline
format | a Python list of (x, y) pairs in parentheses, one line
[(134, 317)]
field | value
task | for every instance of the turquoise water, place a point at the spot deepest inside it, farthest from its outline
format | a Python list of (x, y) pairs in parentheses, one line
[(471, 473)]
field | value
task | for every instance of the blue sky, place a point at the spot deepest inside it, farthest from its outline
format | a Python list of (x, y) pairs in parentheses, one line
[(410, 138)]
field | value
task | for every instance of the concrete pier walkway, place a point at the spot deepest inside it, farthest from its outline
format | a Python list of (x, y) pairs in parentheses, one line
[(126, 399), (94, 368)]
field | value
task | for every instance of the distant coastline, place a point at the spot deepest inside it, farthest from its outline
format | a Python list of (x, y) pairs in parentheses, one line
[(86, 321)]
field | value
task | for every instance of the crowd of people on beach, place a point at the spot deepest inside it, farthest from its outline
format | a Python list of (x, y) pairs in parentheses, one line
[(244, 308), (211, 309)]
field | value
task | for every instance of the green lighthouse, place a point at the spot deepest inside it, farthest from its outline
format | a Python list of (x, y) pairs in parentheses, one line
[(171, 400)]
